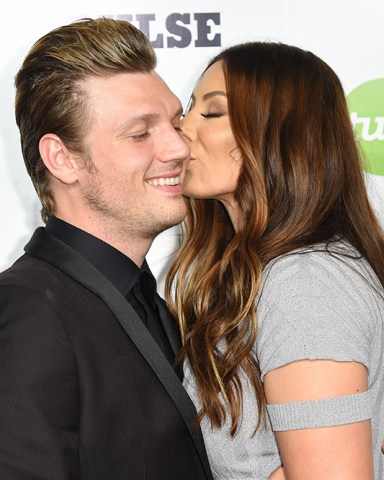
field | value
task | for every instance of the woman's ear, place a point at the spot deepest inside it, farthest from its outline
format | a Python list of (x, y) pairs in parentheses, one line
[(236, 156), (57, 158)]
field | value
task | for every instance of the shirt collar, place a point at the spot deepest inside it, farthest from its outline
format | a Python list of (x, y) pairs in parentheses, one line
[(120, 270)]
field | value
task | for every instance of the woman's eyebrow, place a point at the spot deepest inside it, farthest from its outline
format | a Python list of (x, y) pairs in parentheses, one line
[(208, 95)]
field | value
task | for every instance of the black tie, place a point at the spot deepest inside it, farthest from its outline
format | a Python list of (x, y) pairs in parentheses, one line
[(143, 301)]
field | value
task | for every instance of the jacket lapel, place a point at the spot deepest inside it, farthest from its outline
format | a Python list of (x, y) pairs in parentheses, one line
[(53, 251)]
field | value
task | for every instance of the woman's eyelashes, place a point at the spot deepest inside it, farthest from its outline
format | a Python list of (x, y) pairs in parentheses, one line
[(212, 114)]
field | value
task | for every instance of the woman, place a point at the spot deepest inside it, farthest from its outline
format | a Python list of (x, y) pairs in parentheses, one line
[(278, 285)]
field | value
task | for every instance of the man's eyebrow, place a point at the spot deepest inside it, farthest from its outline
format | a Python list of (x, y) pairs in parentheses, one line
[(133, 121), (145, 117)]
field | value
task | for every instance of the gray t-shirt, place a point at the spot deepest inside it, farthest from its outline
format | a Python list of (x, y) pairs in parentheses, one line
[(312, 305)]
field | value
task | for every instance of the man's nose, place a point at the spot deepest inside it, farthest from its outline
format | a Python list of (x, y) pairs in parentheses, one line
[(175, 147)]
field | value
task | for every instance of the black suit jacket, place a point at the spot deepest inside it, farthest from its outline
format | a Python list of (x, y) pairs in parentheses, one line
[(85, 391)]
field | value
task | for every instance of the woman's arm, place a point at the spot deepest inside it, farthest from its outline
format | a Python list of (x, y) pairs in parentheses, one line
[(342, 452), (278, 474)]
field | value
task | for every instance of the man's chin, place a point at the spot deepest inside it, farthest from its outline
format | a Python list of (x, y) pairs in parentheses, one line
[(173, 220)]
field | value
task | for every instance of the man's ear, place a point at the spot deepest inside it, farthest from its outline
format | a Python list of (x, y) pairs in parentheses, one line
[(57, 158)]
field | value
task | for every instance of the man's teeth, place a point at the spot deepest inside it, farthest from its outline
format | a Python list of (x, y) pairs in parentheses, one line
[(164, 181)]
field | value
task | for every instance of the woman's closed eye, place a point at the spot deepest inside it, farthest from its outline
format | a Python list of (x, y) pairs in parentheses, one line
[(212, 114)]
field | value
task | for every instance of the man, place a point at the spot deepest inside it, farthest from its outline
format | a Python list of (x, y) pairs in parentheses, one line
[(87, 387)]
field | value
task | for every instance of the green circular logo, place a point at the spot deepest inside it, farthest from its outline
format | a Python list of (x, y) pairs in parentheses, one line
[(366, 106)]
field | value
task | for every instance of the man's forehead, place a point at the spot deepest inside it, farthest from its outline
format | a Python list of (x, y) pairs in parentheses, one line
[(129, 99), (143, 90)]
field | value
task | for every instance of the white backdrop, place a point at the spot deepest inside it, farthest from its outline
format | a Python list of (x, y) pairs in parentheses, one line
[(347, 34)]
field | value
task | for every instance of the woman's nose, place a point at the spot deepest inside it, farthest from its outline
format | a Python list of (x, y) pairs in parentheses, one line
[(184, 125)]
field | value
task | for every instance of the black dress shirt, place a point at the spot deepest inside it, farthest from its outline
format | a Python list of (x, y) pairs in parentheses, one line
[(138, 285)]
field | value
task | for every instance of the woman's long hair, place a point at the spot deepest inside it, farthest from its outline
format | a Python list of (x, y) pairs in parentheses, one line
[(301, 183)]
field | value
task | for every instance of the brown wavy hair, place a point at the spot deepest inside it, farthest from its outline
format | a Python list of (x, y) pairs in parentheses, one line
[(49, 95), (301, 183)]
